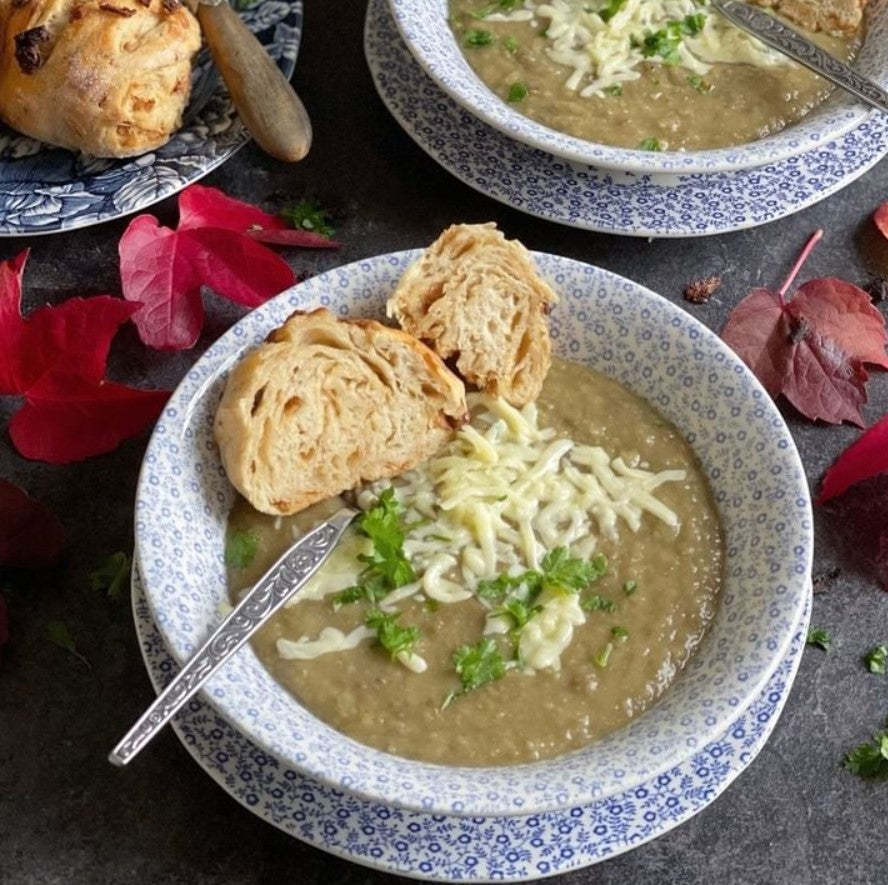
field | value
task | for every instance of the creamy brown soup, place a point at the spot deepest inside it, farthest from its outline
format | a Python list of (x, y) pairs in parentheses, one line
[(661, 587), (667, 108)]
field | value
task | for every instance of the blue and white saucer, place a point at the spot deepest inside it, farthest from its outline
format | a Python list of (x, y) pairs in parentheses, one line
[(45, 190), (460, 849), (608, 201)]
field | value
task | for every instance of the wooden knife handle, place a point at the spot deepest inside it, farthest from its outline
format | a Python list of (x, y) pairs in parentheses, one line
[(266, 102)]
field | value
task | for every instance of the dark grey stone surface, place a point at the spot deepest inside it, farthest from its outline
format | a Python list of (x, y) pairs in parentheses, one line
[(67, 817)]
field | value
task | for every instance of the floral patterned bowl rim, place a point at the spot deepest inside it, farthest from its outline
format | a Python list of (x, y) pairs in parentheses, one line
[(45, 190), (645, 342), (424, 27)]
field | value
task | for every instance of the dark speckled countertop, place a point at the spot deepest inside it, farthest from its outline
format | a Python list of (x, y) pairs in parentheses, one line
[(66, 816)]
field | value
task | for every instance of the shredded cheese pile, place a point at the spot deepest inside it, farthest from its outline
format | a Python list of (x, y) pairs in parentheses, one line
[(500, 495), (603, 43)]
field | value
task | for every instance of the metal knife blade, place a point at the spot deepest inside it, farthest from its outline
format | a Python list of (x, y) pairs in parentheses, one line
[(790, 42)]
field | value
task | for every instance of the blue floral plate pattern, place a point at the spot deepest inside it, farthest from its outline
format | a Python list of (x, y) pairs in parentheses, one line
[(460, 849), (648, 205), (44, 189), (652, 347)]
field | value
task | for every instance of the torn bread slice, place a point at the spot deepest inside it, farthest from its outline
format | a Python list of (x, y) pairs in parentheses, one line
[(476, 298), (326, 404)]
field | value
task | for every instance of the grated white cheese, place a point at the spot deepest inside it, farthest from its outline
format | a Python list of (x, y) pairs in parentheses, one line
[(603, 54)]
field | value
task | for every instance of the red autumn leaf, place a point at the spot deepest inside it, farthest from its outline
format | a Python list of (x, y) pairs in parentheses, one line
[(30, 534), (75, 335), (880, 216), (865, 458), (201, 206), (67, 418), (813, 348), (293, 236), (164, 270)]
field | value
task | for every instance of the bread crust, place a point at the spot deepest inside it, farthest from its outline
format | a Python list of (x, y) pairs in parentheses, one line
[(841, 18), (476, 298), (110, 78), (327, 404)]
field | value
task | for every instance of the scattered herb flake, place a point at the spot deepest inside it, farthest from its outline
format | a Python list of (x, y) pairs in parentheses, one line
[(820, 637), (477, 37), (870, 760), (510, 44), (477, 664), (519, 611), (394, 638), (697, 82), (700, 291), (308, 215), (241, 547), (876, 659), (614, 89), (650, 144), (602, 658), (595, 603), (58, 633), (112, 575), (517, 92), (619, 633), (629, 587), (612, 8)]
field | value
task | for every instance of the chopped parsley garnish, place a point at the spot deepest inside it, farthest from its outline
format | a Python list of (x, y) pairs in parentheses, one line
[(595, 603), (59, 634), (394, 638), (819, 637), (476, 665), (490, 8), (665, 42), (308, 215), (387, 568), (602, 658), (876, 658), (241, 547), (650, 144), (112, 575), (629, 587), (611, 10), (559, 572), (619, 633), (510, 44), (614, 89), (517, 92), (702, 86), (870, 760), (519, 611), (477, 37)]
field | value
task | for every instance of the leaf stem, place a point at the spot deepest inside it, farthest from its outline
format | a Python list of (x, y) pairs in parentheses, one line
[(816, 237)]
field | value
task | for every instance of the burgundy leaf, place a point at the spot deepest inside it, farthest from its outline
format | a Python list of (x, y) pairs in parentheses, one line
[(30, 535), (201, 206), (865, 458)]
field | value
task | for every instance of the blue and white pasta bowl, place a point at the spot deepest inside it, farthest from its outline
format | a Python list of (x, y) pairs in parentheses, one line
[(652, 347), (425, 28)]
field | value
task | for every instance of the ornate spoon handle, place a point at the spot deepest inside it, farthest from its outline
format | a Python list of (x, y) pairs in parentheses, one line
[(288, 575), (784, 39)]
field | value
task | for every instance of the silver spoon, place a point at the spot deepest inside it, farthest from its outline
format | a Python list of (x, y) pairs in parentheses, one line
[(790, 42), (286, 577)]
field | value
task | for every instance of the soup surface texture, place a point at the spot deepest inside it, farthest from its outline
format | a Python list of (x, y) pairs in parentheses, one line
[(690, 81), (575, 663)]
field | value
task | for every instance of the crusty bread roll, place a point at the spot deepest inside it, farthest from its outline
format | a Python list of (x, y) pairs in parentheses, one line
[(841, 18), (106, 77), (326, 404), (476, 297)]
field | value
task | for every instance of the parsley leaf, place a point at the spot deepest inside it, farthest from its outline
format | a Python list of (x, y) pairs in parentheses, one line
[(308, 215), (564, 572), (596, 603), (819, 637), (870, 760), (702, 86), (614, 89), (629, 587), (387, 567), (241, 547), (394, 638), (650, 144), (519, 610), (611, 10), (112, 575), (876, 659), (510, 44), (517, 92), (478, 664), (497, 6), (619, 633), (59, 634), (477, 37)]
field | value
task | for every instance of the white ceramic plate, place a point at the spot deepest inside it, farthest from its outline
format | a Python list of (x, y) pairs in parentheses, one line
[(459, 849), (45, 190), (552, 188), (652, 347)]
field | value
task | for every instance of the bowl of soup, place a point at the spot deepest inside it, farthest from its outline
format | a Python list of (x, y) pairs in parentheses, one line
[(645, 86), (675, 518)]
